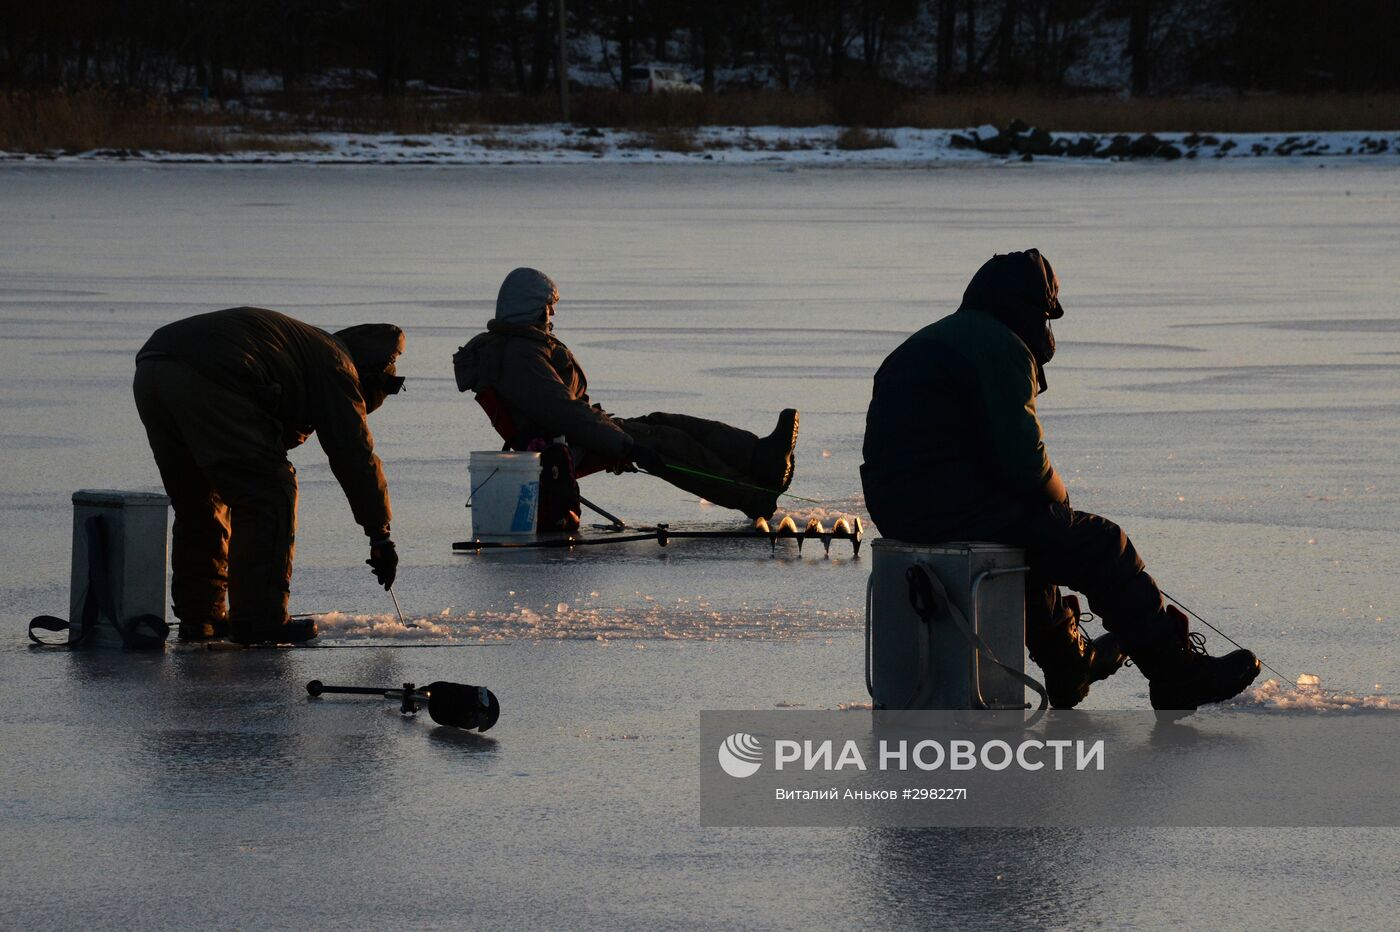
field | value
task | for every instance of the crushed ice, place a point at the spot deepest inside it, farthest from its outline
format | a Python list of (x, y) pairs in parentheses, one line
[(561, 621), (1308, 695)]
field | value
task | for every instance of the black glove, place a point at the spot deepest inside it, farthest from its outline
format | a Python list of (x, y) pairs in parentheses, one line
[(647, 458), (383, 561)]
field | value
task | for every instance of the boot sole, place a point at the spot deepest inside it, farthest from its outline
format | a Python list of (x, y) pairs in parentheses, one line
[(790, 463)]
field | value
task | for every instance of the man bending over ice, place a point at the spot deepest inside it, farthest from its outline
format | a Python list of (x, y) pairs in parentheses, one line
[(223, 397), (534, 390), (954, 451)]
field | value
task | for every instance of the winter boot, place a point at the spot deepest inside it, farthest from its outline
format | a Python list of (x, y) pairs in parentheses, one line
[(773, 460), (292, 631), (1071, 661), (213, 628), (1182, 676)]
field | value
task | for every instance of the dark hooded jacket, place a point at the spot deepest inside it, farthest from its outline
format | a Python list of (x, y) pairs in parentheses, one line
[(304, 377), (542, 387), (953, 445), (533, 375)]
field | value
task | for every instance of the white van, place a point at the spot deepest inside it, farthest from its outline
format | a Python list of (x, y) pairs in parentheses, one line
[(659, 79)]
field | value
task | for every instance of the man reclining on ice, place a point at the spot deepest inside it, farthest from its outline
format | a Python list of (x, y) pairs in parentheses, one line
[(534, 390), (954, 451)]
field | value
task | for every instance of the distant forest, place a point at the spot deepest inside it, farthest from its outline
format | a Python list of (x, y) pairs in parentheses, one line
[(1155, 46)]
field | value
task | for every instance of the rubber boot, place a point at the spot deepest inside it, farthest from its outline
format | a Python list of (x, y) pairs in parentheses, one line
[(1071, 661), (1182, 676), (773, 459), (292, 631)]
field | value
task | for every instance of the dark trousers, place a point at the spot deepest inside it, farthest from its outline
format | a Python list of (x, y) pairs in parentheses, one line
[(233, 491), (707, 446), (1079, 550), (1089, 554)]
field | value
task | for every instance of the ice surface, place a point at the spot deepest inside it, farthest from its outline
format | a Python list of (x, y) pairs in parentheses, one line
[(211, 792)]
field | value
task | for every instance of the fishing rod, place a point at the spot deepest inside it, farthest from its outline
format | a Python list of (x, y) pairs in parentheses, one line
[(457, 705), (735, 482)]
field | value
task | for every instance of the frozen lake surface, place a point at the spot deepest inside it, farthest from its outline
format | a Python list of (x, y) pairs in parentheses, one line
[(1226, 388)]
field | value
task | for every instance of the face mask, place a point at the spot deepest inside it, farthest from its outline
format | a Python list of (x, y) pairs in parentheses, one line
[(385, 384)]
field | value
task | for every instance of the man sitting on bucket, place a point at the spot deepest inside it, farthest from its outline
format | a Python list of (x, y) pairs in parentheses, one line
[(223, 397), (954, 452), (534, 390)]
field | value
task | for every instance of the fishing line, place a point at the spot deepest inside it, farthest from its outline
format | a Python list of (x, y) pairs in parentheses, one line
[(747, 485), (1187, 609)]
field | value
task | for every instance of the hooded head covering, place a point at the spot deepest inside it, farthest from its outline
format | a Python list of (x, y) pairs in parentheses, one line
[(524, 295), (373, 348), (1021, 290)]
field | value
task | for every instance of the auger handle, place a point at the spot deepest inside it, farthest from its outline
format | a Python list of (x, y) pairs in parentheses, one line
[(316, 688)]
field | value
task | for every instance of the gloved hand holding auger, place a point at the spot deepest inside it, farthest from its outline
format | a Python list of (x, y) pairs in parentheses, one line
[(383, 561), (223, 396)]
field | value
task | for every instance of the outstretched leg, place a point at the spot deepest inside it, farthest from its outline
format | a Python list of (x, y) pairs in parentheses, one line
[(711, 447)]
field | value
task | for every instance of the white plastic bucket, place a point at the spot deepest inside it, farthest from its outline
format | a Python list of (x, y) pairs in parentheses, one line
[(505, 493)]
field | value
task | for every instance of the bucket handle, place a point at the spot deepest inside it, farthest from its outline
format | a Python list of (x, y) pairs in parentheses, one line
[(869, 611), (934, 592), (472, 497)]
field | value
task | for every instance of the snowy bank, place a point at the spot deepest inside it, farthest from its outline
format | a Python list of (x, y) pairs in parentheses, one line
[(780, 145)]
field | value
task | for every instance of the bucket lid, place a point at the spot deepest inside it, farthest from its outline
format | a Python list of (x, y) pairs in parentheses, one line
[(117, 498), (503, 457)]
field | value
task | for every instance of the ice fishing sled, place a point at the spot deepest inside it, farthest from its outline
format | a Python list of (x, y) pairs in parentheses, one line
[(848, 529)]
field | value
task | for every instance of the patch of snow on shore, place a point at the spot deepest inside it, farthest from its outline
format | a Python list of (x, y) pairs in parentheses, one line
[(778, 145)]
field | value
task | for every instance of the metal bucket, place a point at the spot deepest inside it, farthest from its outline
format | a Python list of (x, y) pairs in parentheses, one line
[(914, 664)]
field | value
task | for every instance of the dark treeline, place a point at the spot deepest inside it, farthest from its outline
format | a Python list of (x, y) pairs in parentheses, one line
[(1159, 46)]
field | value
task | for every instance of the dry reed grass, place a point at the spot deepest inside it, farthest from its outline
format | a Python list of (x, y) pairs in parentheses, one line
[(78, 121), (664, 140), (81, 121)]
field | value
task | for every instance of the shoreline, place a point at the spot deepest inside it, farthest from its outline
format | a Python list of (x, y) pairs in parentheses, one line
[(818, 146)]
